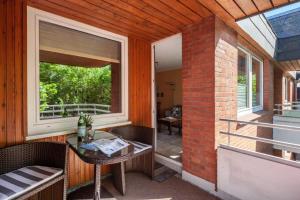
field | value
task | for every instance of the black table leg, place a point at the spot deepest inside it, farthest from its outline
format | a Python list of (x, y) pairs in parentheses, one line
[(97, 181), (159, 126), (170, 128)]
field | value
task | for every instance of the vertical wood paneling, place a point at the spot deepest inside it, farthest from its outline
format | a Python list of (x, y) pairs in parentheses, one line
[(140, 82), (2, 73), (13, 105), (18, 66), (11, 66), (10, 76)]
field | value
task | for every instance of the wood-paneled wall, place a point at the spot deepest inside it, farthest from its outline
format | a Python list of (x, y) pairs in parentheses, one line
[(140, 82), (13, 103), (11, 72)]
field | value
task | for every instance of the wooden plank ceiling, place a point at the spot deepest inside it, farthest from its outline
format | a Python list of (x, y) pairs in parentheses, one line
[(152, 19), (291, 65)]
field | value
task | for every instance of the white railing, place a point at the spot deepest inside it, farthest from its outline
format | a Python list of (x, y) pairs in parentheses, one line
[(57, 111), (245, 174), (292, 146), (290, 106)]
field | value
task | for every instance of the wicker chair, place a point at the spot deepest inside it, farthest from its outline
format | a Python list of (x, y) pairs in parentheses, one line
[(48, 154), (143, 161)]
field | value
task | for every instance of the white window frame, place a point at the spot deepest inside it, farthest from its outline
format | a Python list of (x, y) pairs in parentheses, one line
[(66, 125), (286, 89), (250, 108)]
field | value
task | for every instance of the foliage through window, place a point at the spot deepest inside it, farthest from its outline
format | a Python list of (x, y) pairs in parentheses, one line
[(74, 68), (76, 73), (242, 80), (249, 93), (67, 90)]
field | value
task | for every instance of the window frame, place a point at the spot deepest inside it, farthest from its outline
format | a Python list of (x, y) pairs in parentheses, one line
[(251, 109), (66, 125), (286, 89)]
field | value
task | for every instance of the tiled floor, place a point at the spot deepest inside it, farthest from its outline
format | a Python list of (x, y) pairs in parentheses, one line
[(169, 145), (140, 187)]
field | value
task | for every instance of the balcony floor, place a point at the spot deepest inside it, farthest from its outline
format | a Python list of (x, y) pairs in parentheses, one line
[(139, 187)]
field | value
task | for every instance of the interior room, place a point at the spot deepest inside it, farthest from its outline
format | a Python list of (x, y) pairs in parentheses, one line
[(168, 82)]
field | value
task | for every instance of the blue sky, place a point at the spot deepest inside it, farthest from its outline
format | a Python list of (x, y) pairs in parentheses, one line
[(282, 9)]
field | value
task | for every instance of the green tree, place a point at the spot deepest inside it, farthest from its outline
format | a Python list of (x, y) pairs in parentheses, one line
[(63, 84)]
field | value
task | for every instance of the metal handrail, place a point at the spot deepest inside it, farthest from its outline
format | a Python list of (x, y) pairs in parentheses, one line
[(295, 147), (265, 140), (291, 107), (82, 104), (54, 111), (265, 125), (293, 103)]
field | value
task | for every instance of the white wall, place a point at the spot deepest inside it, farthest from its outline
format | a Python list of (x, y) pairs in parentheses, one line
[(258, 28), (248, 176), (289, 136)]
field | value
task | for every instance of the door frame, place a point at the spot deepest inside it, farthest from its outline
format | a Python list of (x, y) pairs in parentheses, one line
[(172, 164)]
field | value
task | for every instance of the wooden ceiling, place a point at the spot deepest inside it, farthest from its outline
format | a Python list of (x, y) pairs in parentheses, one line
[(239, 9), (291, 65), (156, 19), (152, 19)]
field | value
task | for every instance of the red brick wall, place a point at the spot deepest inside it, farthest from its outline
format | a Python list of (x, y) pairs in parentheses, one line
[(278, 86), (209, 92), (291, 90), (209, 76), (198, 79), (226, 58), (268, 84)]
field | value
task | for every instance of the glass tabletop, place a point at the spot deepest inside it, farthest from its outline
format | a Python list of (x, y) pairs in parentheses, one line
[(97, 157)]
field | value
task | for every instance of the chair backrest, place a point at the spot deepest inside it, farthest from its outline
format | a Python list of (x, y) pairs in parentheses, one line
[(34, 153), (136, 133)]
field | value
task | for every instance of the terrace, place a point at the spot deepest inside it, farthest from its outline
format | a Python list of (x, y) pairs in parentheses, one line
[(205, 93)]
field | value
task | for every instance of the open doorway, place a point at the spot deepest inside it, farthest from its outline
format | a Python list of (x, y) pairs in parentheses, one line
[(168, 99)]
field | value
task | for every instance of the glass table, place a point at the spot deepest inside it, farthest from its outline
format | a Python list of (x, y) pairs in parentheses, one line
[(97, 158)]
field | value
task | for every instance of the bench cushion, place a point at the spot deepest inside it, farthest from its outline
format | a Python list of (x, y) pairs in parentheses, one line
[(18, 182), (139, 147)]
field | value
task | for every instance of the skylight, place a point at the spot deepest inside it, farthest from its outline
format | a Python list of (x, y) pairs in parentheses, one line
[(282, 10), (285, 21)]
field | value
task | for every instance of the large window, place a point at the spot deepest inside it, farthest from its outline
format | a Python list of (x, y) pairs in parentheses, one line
[(242, 80), (73, 68), (250, 82)]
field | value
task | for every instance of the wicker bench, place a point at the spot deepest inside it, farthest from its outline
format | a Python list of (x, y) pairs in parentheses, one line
[(29, 168)]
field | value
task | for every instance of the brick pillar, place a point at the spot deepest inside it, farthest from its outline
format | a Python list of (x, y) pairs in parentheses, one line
[(291, 89), (294, 91), (115, 88), (209, 76), (268, 74), (278, 86)]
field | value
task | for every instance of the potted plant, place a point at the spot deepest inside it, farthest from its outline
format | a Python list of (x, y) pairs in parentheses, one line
[(88, 121), (89, 126)]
